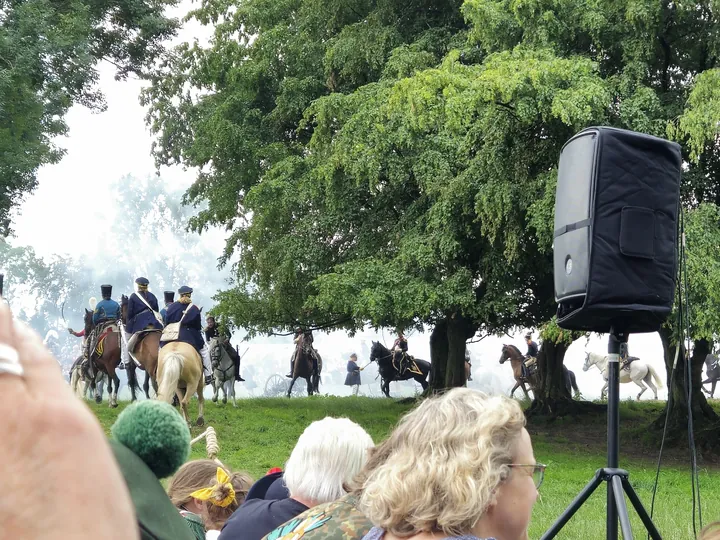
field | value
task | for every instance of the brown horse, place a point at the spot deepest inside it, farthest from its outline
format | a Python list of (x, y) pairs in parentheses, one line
[(180, 372), (512, 353), (303, 367), (146, 353), (106, 357)]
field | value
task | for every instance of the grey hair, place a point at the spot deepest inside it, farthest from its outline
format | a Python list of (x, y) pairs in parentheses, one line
[(328, 454)]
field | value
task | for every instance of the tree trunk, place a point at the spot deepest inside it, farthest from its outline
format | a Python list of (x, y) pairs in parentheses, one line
[(459, 330), (550, 397), (447, 351), (706, 424), (438, 355)]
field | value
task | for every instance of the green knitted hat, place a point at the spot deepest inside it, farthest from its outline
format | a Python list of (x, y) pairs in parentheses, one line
[(151, 441)]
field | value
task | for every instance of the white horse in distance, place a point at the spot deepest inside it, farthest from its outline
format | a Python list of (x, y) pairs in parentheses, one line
[(640, 373)]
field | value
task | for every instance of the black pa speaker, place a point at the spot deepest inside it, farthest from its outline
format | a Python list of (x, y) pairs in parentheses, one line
[(615, 245)]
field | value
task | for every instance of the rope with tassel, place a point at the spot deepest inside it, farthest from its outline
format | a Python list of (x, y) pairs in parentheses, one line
[(211, 443)]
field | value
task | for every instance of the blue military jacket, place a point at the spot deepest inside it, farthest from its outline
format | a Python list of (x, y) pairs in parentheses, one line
[(106, 310), (191, 327), (139, 316)]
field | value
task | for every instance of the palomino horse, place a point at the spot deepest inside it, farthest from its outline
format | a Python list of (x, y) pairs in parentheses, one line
[(639, 373), (224, 371), (180, 372), (388, 370), (712, 369), (512, 353), (146, 353), (303, 368), (106, 357)]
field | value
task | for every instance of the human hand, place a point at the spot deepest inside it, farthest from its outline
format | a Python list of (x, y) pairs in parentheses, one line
[(60, 478)]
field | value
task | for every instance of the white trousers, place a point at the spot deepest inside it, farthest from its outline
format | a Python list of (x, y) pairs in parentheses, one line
[(205, 354)]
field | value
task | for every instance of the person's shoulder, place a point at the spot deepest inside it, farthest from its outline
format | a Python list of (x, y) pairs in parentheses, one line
[(337, 520)]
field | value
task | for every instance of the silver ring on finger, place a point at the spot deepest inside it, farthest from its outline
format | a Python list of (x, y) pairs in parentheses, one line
[(10, 361)]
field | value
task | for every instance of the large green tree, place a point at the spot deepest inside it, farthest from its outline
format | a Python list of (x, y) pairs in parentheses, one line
[(412, 181), (49, 56)]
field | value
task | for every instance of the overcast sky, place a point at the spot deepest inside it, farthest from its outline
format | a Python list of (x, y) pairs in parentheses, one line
[(104, 147)]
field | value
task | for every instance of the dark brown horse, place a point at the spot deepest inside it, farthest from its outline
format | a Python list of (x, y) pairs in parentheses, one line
[(512, 353), (146, 353), (388, 368), (303, 368), (106, 356)]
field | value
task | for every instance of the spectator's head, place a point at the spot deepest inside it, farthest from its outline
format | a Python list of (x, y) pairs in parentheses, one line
[(451, 467), (710, 532), (353, 357), (328, 454), (198, 487)]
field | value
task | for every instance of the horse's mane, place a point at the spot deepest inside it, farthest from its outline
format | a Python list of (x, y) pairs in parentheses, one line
[(514, 348)]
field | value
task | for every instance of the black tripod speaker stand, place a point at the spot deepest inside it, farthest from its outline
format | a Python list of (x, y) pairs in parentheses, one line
[(617, 479)]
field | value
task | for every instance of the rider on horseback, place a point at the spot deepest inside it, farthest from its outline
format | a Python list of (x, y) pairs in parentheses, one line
[(626, 360), (142, 314), (212, 330), (401, 345), (307, 344), (530, 362), (188, 315), (107, 310)]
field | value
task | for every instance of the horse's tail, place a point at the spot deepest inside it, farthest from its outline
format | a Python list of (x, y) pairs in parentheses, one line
[(655, 376), (172, 368), (573, 381), (132, 377)]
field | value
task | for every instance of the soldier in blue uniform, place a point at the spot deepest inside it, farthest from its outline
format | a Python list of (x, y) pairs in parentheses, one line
[(190, 328), (106, 310), (142, 313), (169, 299)]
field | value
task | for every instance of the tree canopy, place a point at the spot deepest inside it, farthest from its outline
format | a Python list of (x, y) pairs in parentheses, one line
[(49, 56), (395, 163)]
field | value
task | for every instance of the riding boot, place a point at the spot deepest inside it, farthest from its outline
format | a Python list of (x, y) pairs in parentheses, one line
[(205, 355), (236, 362), (292, 370)]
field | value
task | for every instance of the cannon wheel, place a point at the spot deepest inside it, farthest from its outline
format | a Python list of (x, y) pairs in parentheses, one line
[(275, 386)]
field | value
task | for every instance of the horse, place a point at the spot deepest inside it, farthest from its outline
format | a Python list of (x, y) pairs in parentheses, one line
[(712, 369), (80, 384), (180, 372), (389, 372), (224, 371), (303, 368), (512, 353), (107, 358), (639, 373), (146, 352)]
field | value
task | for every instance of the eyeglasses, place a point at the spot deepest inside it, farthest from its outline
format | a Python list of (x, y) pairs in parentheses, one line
[(538, 472)]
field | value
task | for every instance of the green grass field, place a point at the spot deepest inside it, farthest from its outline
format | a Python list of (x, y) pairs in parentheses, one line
[(260, 434)]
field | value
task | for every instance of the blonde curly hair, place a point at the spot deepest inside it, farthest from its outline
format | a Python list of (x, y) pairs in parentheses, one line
[(445, 461)]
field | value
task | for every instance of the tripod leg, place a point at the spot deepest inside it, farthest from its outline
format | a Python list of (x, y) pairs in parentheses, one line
[(574, 506), (621, 508), (635, 500)]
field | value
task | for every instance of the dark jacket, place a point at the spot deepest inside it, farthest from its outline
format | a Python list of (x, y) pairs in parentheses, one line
[(191, 327), (139, 316), (353, 375), (257, 517), (532, 349)]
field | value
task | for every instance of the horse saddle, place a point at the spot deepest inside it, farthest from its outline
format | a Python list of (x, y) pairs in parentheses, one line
[(102, 331)]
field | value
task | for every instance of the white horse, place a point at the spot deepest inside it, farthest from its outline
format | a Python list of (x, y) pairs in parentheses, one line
[(80, 384), (224, 371), (639, 373)]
